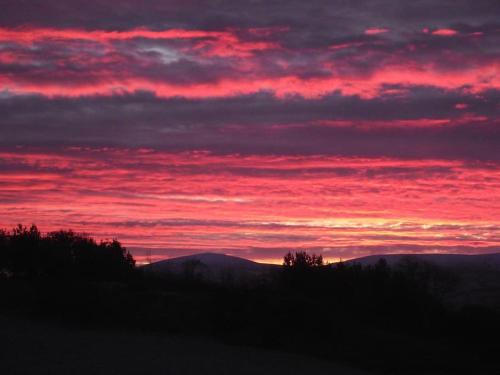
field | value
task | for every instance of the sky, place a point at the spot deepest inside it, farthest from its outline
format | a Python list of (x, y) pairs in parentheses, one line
[(254, 127)]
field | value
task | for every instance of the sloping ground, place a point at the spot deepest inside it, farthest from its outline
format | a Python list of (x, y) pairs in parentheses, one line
[(34, 348)]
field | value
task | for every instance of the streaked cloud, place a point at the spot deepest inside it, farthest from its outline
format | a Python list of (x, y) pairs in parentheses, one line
[(159, 200)]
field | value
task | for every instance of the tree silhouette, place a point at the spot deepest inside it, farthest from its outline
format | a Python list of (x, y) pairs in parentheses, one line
[(302, 260), (302, 271)]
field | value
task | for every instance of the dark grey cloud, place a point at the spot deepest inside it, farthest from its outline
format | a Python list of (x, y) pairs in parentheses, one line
[(316, 18), (262, 124)]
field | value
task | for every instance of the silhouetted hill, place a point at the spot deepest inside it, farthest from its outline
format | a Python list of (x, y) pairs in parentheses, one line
[(210, 266)]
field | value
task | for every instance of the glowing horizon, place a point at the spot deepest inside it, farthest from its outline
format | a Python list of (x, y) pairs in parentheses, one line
[(255, 206)]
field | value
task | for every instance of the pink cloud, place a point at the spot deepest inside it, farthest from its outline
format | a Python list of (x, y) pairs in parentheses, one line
[(107, 83), (158, 200), (125, 70), (376, 31), (31, 34), (445, 32)]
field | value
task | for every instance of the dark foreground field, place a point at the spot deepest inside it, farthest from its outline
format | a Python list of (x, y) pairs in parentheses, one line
[(29, 347), (71, 305)]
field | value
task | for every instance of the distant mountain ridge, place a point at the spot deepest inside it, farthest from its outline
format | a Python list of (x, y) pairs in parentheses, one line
[(211, 266), (477, 277), (224, 261)]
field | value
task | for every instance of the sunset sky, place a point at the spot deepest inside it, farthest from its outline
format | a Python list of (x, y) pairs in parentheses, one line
[(251, 128)]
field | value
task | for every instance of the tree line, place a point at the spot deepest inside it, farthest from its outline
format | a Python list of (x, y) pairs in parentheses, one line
[(27, 253)]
